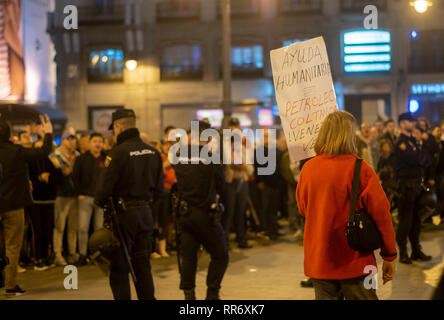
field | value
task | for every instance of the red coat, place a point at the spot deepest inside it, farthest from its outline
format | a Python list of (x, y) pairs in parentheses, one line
[(323, 197)]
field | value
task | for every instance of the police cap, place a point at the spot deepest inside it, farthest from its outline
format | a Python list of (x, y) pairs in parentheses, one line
[(121, 114), (406, 116)]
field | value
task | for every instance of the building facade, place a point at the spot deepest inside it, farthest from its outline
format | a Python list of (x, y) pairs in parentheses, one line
[(27, 68), (177, 46)]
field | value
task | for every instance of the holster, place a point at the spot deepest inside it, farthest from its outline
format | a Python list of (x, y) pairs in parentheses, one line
[(215, 212)]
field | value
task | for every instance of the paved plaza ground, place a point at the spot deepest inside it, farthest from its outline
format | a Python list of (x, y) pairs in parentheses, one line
[(269, 271)]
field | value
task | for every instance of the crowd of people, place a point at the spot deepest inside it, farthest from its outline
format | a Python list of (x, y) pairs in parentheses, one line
[(63, 185)]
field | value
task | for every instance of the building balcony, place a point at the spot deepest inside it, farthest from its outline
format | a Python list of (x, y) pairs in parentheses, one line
[(180, 72), (357, 6), (242, 8), (244, 72), (178, 11), (292, 7), (99, 15)]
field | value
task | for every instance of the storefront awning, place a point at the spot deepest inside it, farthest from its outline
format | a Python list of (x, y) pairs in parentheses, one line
[(17, 113)]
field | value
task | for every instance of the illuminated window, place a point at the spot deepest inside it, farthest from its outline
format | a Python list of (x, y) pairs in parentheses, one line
[(367, 51), (105, 65), (247, 61), (182, 62)]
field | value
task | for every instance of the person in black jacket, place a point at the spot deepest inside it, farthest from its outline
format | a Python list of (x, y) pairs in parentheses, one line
[(16, 194), (87, 169), (133, 176), (44, 178)]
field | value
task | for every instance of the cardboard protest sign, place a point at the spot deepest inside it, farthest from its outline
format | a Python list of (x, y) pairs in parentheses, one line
[(304, 92)]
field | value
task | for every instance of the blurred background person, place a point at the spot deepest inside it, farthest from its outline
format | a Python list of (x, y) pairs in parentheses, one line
[(44, 177), (162, 208), (267, 192), (386, 171), (83, 144), (290, 173), (389, 132), (364, 144), (237, 175), (379, 126), (24, 139), (108, 144), (86, 172), (63, 158), (374, 147)]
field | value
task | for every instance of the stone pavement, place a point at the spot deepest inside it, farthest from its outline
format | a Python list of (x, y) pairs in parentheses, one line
[(269, 271)]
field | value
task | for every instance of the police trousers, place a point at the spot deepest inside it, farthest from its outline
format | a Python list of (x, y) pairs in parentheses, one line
[(198, 228), (137, 227), (408, 212)]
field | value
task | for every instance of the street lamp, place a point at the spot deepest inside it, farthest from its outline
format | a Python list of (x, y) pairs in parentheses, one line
[(421, 6), (131, 65), (226, 59)]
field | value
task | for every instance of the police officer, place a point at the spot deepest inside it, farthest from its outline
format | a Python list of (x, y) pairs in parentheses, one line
[(198, 186), (133, 174), (411, 160)]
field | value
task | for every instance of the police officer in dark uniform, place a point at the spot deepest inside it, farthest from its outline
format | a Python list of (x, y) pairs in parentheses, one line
[(411, 161), (199, 220), (133, 176)]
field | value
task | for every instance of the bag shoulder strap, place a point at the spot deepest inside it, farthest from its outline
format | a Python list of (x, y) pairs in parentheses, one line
[(355, 187)]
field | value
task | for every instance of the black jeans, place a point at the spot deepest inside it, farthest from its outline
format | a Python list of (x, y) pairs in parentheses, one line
[(42, 219), (348, 289), (236, 198), (197, 228), (137, 225), (162, 210), (408, 212), (270, 198)]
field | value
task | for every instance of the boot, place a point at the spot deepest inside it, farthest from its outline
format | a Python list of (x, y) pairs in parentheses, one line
[(308, 283), (213, 294), (421, 256), (404, 257), (189, 294)]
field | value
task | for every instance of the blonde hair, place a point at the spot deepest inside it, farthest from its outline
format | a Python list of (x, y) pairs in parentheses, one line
[(337, 135)]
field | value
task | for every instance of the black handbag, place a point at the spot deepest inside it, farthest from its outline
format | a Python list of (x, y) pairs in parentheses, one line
[(362, 233)]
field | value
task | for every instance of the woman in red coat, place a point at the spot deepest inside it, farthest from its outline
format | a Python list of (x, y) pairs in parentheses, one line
[(323, 197)]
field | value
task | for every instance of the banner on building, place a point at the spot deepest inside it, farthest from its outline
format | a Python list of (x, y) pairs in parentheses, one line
[(304, 92), (12, 70)]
